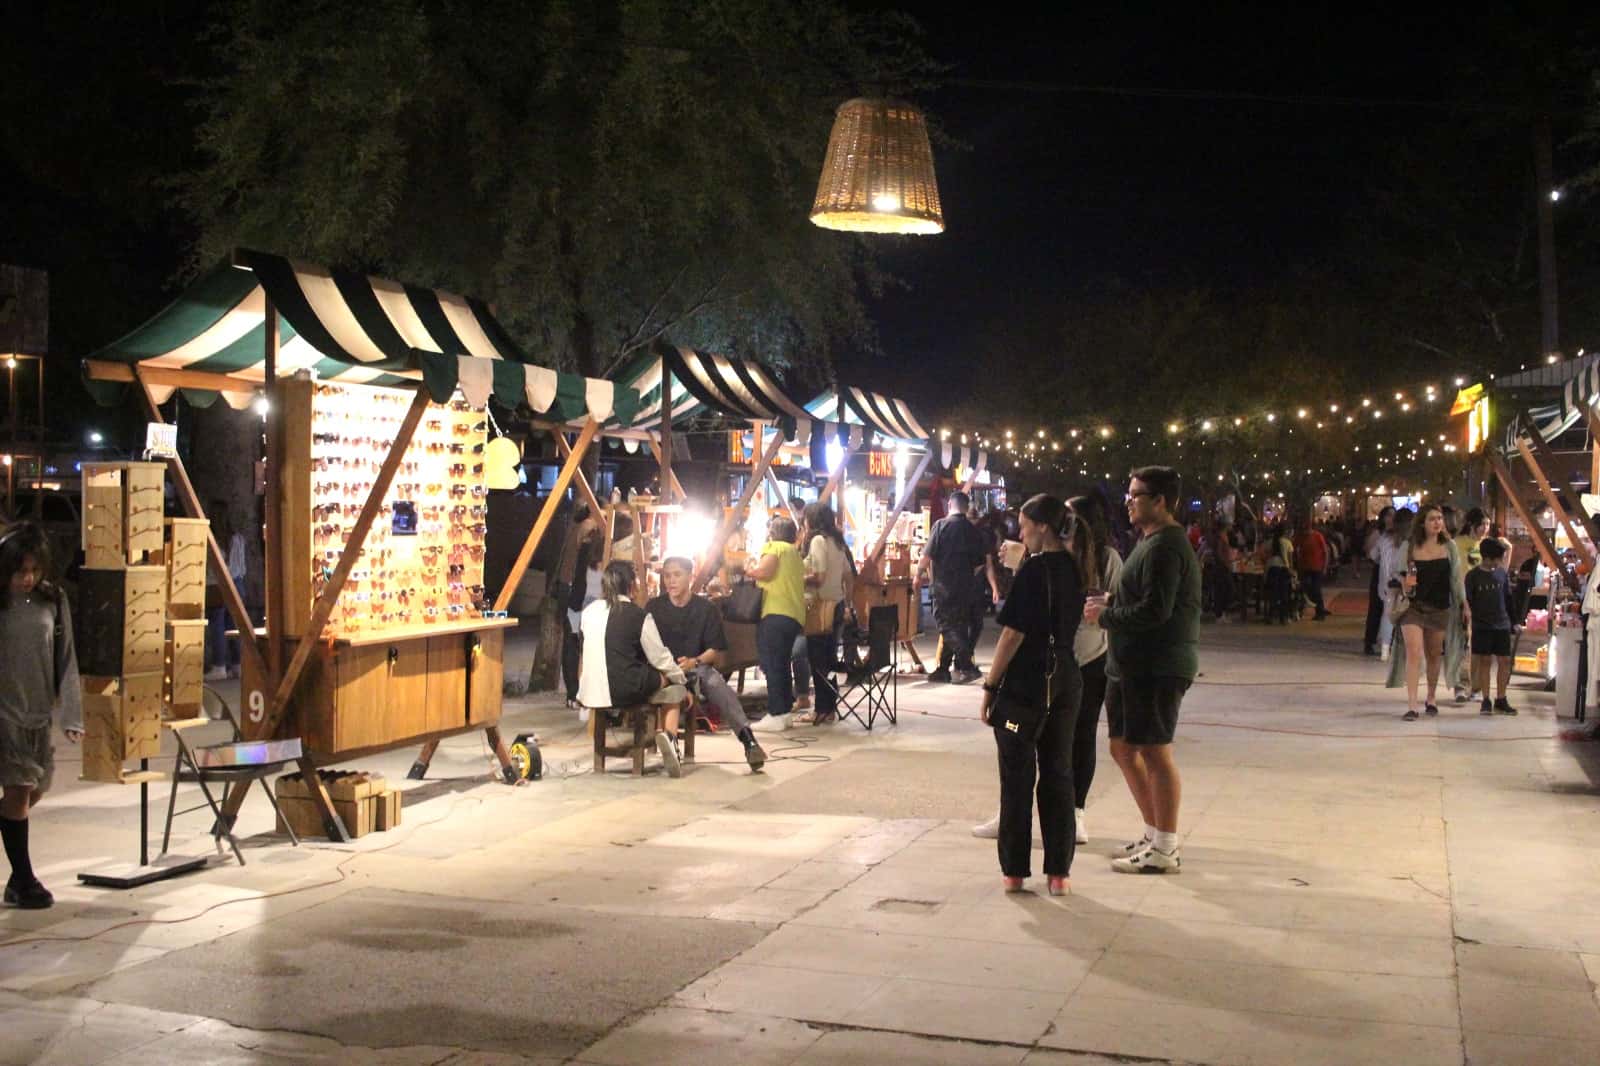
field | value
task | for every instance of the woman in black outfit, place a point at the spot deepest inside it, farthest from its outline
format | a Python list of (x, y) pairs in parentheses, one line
[(1089, 540), (1034, 675)]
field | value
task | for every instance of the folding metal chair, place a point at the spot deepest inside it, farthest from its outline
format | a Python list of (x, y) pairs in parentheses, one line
[(225, 764), (874, 684)]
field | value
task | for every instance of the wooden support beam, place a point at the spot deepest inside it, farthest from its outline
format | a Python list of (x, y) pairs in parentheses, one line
[(736, 513), (1555, 503), (906, 497), (783, 497), (158, 377), (1546, 550), (668, 477), (547, 513), (274, 499), (189, 500), (836, 479), (664, 450), (1547, 457), (322, 610), (578, 478)]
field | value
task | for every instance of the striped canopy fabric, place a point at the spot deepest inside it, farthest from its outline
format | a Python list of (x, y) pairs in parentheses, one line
[(877, 413), (1579, 382), (728, 387), (351, 328)]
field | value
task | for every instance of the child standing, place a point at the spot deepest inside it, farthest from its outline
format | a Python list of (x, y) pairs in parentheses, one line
[(1489, 601), (38, 675)]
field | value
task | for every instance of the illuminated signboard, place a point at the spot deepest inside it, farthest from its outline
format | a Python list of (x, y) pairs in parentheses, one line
[(880, 464)]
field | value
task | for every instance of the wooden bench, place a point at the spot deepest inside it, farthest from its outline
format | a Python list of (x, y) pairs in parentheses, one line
[(641, 723)]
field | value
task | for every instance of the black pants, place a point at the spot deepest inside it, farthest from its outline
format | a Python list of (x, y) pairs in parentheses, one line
[(823, 651), (959, 617), (1088, 724), (1280, 587), (1047, 763), (1311, 585), (571, 650), (1374, 611), (1221, 582)]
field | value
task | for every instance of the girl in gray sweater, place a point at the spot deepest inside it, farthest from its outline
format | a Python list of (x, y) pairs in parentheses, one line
[(38, 676)]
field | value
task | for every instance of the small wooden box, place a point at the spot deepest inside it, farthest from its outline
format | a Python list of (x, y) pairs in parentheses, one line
[(185, 666), (357, 815), (120, 624), (185, 559), (123, 505), (387, 810), (121, 721)]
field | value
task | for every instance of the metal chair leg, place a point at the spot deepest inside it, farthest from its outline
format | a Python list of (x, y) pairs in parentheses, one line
[(293, 839), (221, 828)]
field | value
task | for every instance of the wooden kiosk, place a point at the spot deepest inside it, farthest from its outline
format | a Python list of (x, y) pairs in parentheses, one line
[(379, 630)]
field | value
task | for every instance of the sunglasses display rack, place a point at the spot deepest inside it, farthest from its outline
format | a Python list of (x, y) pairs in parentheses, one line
[(411, 648), (422, 562)]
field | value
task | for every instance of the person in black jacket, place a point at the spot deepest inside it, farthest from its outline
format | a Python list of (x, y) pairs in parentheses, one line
[(1031, 698)]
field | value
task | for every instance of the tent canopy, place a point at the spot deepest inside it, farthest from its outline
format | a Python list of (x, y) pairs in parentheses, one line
[(350, 328), (703, 383), (859, 413), (1579, 382)]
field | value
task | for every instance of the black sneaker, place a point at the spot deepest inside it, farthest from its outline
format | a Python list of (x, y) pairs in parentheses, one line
[(29, 897), (1409, 716), (1429, 709), (966, 677), (940, 677), (668, 747), (1502, 707), (755, 756), (1486, 707)]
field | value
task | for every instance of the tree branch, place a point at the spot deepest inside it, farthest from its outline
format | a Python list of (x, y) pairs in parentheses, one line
[(633, 341)]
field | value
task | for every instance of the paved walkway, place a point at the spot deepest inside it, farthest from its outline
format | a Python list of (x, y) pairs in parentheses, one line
[(1355, 889)]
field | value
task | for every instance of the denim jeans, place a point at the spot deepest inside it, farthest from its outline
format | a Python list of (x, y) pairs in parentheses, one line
[(775, 637), (218, 652)]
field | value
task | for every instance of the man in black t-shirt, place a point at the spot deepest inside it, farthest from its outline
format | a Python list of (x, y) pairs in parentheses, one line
[(691, 628), (955, 553)]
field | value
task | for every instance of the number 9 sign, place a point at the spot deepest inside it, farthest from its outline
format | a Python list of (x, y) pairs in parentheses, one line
[(258, 705)]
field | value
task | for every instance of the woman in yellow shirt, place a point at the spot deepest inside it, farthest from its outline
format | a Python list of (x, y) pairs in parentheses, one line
[(782, 576)]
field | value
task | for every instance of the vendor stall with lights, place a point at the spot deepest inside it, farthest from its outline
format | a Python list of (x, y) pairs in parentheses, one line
[(379, 630)]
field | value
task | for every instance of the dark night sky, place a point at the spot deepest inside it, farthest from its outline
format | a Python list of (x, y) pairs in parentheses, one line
[(1056, 190)]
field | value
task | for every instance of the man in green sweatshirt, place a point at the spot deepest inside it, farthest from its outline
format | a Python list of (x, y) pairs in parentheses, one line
[(1153, 619)]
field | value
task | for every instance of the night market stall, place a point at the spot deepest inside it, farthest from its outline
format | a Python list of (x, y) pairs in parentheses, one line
[(379, 630)]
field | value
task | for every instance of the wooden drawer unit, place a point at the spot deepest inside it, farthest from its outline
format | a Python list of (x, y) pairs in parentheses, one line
[(122, 513), (185, 666), (447, 683), (185, 559), (121, 721), (486, 678), (120, 623), (367, 696)]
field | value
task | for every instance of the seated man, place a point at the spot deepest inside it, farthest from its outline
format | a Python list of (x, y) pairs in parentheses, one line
[(691, 628), (625, 662)]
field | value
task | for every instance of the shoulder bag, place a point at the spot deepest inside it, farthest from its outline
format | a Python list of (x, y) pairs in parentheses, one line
[(1399, 601), (743, 603), (1017, 714)]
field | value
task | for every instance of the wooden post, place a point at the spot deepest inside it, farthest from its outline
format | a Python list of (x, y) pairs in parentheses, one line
[(836, 479), (1555, 504), (664, 452), (274, 502), (1545, 549), (547, 514), (578, 479), (783, 498), (894, 516), (1542, 450), (736, 513), (668, 477)]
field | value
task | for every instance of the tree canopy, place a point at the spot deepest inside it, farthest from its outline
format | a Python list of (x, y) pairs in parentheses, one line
[(603, 173)]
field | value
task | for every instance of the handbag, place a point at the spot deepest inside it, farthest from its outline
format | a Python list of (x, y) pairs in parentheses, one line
[(819, 616), (1399, 602), (1023, 717), (742, 604)]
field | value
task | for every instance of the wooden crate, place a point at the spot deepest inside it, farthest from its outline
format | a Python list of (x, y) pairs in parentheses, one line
[(120, 625), (123, 505), (185, 667), (185, 557), (359, 816), (387, 811), (121, 721)]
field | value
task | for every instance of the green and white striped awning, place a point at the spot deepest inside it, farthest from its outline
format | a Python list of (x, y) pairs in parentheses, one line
[(739, 390), (351, 328)]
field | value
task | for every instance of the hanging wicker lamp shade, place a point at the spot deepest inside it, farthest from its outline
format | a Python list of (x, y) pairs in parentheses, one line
[(878, 175)]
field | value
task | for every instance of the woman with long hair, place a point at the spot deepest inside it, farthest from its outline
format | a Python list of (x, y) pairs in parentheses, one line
[(828, 580), (1391, 552), (1376, 594), (38, 679), (585, 589), (1433, 583), (625, 661), (1031, 697)]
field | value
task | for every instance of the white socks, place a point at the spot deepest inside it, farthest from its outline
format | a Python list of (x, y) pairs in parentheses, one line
[(1166, 843), (1149, 831)]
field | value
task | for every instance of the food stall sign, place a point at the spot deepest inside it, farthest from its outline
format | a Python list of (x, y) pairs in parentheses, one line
[(741, 450), (880, 464), (1477, 424)]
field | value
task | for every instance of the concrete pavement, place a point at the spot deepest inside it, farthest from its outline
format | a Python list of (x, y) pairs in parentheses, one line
[(1355, 889)]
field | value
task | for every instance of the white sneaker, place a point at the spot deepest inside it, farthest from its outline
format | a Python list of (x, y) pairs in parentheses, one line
[(217, 673), (1132, 847), (583, 716), (1083, 832), (989, 830), (1149, 861), (1383, 654), (669, 754), (772, 723)]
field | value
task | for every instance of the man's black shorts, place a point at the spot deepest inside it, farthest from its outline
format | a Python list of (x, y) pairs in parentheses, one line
[(1144, 710), (1491, 641)]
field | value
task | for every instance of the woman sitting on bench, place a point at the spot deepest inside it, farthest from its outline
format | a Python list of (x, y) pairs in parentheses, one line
[(625, 662)]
